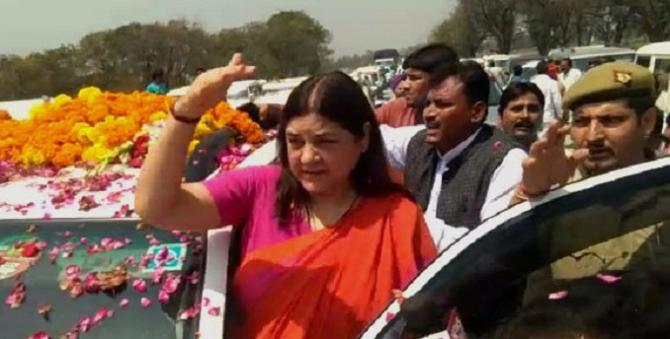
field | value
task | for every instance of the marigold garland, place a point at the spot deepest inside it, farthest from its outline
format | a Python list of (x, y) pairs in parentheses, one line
[(93, 126)]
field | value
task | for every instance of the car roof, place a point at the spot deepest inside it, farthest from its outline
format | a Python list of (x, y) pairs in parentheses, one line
[(588, 51), (661, 48)]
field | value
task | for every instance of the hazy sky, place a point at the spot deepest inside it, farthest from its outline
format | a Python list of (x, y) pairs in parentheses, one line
[(357, 25)]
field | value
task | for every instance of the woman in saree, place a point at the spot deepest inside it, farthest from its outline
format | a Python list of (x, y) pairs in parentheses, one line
[(326, 236)]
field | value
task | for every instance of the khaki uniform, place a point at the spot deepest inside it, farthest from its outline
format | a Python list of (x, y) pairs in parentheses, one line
[(642, 247)]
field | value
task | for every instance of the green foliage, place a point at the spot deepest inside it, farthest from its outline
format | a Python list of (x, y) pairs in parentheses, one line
[(553, 23), (123, 59)]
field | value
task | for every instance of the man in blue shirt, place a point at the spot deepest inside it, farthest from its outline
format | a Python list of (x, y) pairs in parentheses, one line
[(158, 84)]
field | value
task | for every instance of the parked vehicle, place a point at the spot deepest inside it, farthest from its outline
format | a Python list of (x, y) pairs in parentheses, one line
[(585, 57)]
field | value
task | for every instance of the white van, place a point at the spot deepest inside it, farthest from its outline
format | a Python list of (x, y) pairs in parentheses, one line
[(584, 57), (656, 57)]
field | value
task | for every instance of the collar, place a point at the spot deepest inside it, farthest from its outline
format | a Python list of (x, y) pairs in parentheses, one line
[(456, 151)]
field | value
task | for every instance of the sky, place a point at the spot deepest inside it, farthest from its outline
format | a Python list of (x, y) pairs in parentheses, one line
[(357, 25)]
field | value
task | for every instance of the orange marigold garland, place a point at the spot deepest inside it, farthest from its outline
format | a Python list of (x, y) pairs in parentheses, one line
[(97, 127)]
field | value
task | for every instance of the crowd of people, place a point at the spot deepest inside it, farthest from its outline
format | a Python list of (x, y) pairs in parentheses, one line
[(360, 201)]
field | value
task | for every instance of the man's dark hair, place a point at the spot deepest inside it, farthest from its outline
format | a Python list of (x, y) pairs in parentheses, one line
[(157, 75), (476, 82), (429, 58), (569, 61), (253, 111), (517, 70), (517, 89), (542, 67)]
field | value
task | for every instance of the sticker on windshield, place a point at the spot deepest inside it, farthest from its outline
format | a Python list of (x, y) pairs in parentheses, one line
[(169, 257), (19, 256)]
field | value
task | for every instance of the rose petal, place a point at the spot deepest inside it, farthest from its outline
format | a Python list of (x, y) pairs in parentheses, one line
[(67, 234), (163, 297), (43, 309), (40, 335), (157, 276), (41, 245), (77, 290), (106, 242), (99, 316), (608, 279), (72, 271), (205, 302), (145, 302), (123, 302), (140, 285), (83, 240), (558, 295), (214, 311), (85, 324), (189, 313), (129, 260), (171, 284)]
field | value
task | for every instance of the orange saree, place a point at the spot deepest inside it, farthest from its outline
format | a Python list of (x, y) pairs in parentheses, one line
[(332, 283)]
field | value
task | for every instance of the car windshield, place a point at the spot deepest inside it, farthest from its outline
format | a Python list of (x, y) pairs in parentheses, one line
[(74, 252)]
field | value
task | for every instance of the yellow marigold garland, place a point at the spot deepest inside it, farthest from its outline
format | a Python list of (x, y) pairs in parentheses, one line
[(66, 131)]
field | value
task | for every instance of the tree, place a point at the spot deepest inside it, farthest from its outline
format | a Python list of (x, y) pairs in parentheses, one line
[(498, 19), (298, 42), (460, 31), (654, 16)]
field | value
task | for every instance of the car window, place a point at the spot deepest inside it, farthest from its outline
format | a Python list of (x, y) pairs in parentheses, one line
[(643, 60), (509, 259)]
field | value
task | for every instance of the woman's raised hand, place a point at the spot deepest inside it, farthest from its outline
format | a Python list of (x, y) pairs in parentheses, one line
[(211, 87)]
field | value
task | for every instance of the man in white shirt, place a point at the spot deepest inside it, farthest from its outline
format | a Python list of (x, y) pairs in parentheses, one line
[(568, 75), (460, 170), (552, 94)]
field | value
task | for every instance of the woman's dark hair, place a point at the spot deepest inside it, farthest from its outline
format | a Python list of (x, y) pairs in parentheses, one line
[(476, 82), (517, 89), (517, 70), (338, 98), (430, 57)]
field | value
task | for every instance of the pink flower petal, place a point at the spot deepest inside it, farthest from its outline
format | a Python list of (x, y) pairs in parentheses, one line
[(85, 324), (214, 311), (40, 335), (99, 316), (72, 271), (157, 276), (76, 290), (66, 255), (140, 285), (205, 302), (163, 297), (46, 216), (558, 295), (154, 242), (171, 284), (145, 302), (176, 233), (67, 234), (41, 245), (106, 242), (189, 313), (129, 260), (194, 278), (608, 279), (123, 302), (389, 316), (83, 240)]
